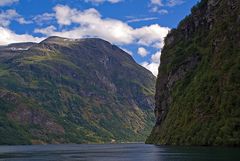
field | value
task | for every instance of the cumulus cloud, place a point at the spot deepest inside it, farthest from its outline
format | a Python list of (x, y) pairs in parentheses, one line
[(91, 24), (142, 51), (149, 35), (64, 14), (6, 17), (8, 36), (7, 2), (153, 67), (153, 64), (74, 23)]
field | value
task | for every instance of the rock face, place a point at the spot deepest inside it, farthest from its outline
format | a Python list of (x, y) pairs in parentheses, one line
[(73, 91), (197, 91)]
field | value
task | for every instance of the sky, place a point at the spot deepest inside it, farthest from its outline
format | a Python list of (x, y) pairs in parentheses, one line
[(136, 26)]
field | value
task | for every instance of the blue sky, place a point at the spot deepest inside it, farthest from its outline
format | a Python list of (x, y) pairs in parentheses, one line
[(137, 26)]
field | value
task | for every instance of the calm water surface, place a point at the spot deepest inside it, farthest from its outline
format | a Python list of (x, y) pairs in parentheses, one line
[(116, 152)]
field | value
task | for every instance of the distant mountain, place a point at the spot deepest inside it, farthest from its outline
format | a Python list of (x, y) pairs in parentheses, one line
[(198, 85), (73, 91)]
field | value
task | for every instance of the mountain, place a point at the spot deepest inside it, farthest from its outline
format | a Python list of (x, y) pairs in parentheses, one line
[(198, 88), (73, 91)]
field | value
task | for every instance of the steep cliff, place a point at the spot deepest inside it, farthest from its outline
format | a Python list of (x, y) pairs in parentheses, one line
[(198, 88), (73, 91)]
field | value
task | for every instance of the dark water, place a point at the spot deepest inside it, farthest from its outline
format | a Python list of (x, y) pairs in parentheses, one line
[(117, 152)]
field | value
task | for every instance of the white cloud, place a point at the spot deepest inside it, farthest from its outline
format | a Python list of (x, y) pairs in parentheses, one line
[(148, 35), (163, 11), (21, 20), (102, 1), (142, 51), (8, 36), (158, 45), (172, 3), (64, 14), (153, 67), (46, 31), (44, 18), (159, 10), (141, 19), (156, 6), (156, 57), (91, 24), (169, 3), (7, 2), (6, 17), (157, 2), (154, 64)]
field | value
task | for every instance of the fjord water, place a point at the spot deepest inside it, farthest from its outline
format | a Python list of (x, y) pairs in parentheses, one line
[(117, 152)]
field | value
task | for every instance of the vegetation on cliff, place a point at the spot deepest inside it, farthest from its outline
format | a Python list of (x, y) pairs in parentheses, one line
[(198, 87)]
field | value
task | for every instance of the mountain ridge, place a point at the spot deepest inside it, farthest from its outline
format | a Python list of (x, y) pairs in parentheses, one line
[(73, 91)]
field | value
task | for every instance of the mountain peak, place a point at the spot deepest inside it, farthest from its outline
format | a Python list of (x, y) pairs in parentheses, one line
[(79, 91), (58, 40), (65, 41)]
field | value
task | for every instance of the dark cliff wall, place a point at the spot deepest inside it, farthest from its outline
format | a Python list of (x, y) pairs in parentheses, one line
[(198, 90)]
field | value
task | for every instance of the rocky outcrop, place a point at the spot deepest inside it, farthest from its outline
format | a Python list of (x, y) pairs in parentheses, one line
[(166, 83), (197, 92)]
